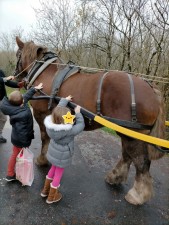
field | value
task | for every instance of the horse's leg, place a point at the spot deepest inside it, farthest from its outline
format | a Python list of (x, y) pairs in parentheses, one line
[(119, 174), (41, 159), (142, 189)]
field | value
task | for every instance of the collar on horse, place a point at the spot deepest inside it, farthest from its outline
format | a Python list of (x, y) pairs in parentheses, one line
[(39, 66), (60, 76)]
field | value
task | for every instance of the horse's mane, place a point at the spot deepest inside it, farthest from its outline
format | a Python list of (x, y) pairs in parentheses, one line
[(33, 51)]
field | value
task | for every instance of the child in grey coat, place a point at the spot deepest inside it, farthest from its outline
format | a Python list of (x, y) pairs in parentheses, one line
[(62, 130)]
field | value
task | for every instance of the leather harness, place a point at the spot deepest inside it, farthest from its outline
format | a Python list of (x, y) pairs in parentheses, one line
[(70, 69)]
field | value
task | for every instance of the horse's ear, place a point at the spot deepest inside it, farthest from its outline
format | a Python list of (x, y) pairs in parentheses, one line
[(19, 43)]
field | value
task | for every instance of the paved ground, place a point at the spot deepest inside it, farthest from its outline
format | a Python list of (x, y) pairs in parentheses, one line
[(87, 199)]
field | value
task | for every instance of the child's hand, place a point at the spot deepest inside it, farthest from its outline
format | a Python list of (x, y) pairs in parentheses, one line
[(10, 78), (77, 109), (39, 87), (69, 98)]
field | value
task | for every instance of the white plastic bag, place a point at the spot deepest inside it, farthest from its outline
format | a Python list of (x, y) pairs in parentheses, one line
[(24, 167)]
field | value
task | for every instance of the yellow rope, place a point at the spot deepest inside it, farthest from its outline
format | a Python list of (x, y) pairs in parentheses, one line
[(131, 133), (167, 123)]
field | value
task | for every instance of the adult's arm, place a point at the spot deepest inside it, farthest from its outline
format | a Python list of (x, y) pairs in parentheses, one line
[(9, 83), (12, 84)]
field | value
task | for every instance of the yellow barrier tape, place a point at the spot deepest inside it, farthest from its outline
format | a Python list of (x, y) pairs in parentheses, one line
[(131, 133), (167, 123)]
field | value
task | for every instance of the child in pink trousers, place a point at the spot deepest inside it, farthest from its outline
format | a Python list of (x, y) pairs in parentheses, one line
[(61, 129)]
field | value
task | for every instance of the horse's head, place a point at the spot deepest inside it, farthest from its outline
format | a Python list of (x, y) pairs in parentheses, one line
[(26, 54)]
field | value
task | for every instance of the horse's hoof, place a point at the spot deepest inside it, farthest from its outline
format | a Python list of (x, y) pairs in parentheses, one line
[(108, 180), (134, 198), (130, 199), (113, 180), (41, 161)]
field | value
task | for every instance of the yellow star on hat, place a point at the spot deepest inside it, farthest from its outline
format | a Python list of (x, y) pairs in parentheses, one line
[(68, 118)]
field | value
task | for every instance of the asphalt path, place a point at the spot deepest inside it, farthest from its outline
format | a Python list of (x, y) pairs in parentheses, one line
[(87, 199)]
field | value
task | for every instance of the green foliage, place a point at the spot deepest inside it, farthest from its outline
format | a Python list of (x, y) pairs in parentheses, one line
[(9, 90), (110, 131)]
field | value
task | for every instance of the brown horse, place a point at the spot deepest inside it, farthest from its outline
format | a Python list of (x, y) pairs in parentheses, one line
[(117, 91)]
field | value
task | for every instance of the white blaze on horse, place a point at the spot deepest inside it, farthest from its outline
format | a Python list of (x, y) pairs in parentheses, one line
[(127, 99)]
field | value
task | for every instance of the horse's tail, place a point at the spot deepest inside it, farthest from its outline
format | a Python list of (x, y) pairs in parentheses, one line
[(158, 129)]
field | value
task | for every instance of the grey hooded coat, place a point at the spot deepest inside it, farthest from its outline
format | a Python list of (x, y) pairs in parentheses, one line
[(61, 146)]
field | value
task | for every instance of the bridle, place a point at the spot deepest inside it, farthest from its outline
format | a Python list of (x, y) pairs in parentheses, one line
[(34, 69), (18, 66)]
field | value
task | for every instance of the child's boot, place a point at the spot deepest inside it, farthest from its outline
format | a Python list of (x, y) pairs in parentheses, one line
[(54, 195), (46, 187)]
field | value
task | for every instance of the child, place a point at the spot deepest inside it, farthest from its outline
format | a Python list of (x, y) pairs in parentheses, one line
[(6, 81), (61, 130), (21, 119)]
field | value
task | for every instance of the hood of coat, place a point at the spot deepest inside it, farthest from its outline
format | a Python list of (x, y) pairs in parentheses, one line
[(12, 110), (56, 127)]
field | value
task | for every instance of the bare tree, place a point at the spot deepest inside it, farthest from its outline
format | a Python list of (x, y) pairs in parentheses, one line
[(7, 50), (156, 24), (55, 24)]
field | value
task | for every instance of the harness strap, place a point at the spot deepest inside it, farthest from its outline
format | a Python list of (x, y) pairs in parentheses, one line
[(40, 70), (128, 124), (60, 77), (98, 102), (133, 102)]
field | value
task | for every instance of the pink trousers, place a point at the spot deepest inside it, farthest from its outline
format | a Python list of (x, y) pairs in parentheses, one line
[(55, 173), (12, 161)]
